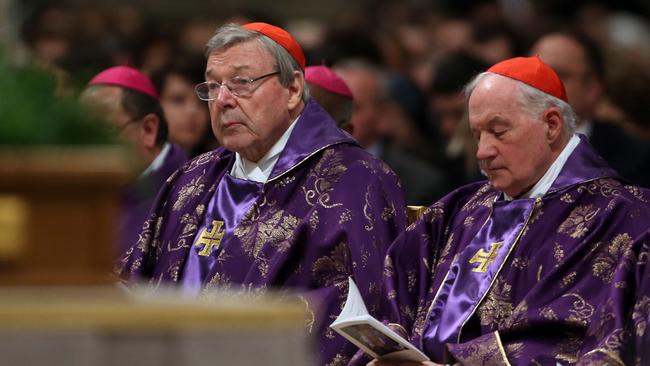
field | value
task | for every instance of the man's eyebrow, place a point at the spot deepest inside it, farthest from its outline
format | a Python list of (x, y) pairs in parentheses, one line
[(209, 71), (498, 121)]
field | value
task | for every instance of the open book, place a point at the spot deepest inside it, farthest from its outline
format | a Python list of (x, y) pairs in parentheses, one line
[(373, 337)]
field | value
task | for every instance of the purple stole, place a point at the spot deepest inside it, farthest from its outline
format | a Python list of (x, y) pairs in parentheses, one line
[(232, 198), (472, 273)]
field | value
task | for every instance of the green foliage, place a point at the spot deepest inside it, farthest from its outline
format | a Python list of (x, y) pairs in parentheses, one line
[(31, 113)]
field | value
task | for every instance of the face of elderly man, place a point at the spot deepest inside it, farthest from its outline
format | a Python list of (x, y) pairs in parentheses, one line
[(250, 125), (514, 148)]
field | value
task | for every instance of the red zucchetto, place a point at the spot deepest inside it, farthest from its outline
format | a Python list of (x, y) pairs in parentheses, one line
[(125, 77), (281, 37), (534, 72)]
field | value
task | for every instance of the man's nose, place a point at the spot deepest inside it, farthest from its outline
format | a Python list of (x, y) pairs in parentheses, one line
[(486, 149), (225, 98)]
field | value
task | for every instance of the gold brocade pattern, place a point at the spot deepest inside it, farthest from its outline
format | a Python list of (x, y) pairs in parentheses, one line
[(567, 198), (434, 212), (324, 176), (192, 189), (496, 307), (421, 318), (619, 254), (558, 252), (569, 349), (476, 199), (577, 224), (190, 224), (484, 350), (568, 279), (338, 360), (218, 281), (274, 228), (637, 192), (469, 221), (388, 212), (640, 315), (605, 187), (581, 310), (333, 269), (520, 263), (346, 216), (519, 317), (313, 220), (412, 279), (548, 313), (367, 212)]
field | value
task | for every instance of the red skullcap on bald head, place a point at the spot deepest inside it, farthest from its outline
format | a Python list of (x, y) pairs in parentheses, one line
[(281, 37), (125, 77), (534, 72)]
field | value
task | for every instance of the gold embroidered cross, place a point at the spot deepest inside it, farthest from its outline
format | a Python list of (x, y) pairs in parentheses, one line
[(485, 259), (210, 238)]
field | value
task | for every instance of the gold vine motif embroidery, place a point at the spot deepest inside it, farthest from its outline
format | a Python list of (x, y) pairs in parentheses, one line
[(577, 224), (194, 188)]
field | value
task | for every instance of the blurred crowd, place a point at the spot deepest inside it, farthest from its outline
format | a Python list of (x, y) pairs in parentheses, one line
[(405, 62)]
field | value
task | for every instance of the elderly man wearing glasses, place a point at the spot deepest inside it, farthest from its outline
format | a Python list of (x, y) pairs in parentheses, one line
[(288, 201)]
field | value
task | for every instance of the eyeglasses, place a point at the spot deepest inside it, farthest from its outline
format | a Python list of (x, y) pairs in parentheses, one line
[(238, 86)]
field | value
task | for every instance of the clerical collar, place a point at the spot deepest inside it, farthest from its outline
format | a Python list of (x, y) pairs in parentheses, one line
[(541, 187), (158, 161), (260, 171)]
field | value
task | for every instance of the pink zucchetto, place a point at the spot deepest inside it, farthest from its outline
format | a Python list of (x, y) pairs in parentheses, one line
[(327, 79), (125, 77)]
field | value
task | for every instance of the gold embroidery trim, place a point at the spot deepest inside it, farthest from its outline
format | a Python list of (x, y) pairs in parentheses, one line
[(502, 350), (302, 161), (607, 353)]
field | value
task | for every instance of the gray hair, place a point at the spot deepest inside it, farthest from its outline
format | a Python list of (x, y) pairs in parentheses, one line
[(533, 100), (232, 34)]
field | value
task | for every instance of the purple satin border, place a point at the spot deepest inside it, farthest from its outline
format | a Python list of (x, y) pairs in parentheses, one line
[(230, 202), (463, 290)]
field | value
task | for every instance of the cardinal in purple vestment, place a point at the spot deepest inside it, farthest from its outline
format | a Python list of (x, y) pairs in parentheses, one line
[(544, 264), (290, 201)]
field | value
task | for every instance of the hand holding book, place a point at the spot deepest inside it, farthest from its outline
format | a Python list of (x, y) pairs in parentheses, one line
[(373, 337)]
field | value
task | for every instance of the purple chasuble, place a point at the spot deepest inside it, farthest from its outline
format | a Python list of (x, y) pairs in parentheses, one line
[(307, 229), (574, 289)]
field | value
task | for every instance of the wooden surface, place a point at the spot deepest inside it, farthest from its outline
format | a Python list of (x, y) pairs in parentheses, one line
[(58, 210)]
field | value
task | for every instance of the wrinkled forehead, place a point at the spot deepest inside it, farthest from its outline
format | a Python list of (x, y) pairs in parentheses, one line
[(240, 57)]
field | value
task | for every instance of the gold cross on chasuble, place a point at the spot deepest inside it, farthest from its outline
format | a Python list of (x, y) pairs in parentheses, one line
[(210, 239), (485, 259)]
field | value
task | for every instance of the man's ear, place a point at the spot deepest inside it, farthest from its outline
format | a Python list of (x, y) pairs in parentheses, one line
[(554, 124), (150, 125), (295, 90)]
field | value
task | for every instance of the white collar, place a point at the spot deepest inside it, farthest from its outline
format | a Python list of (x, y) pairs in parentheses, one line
[(585, 128), (260, 171), (158, 161), (542, 186)]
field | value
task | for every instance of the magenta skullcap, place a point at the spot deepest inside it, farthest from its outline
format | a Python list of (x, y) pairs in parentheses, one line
[(125, 77), (327, 79)]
